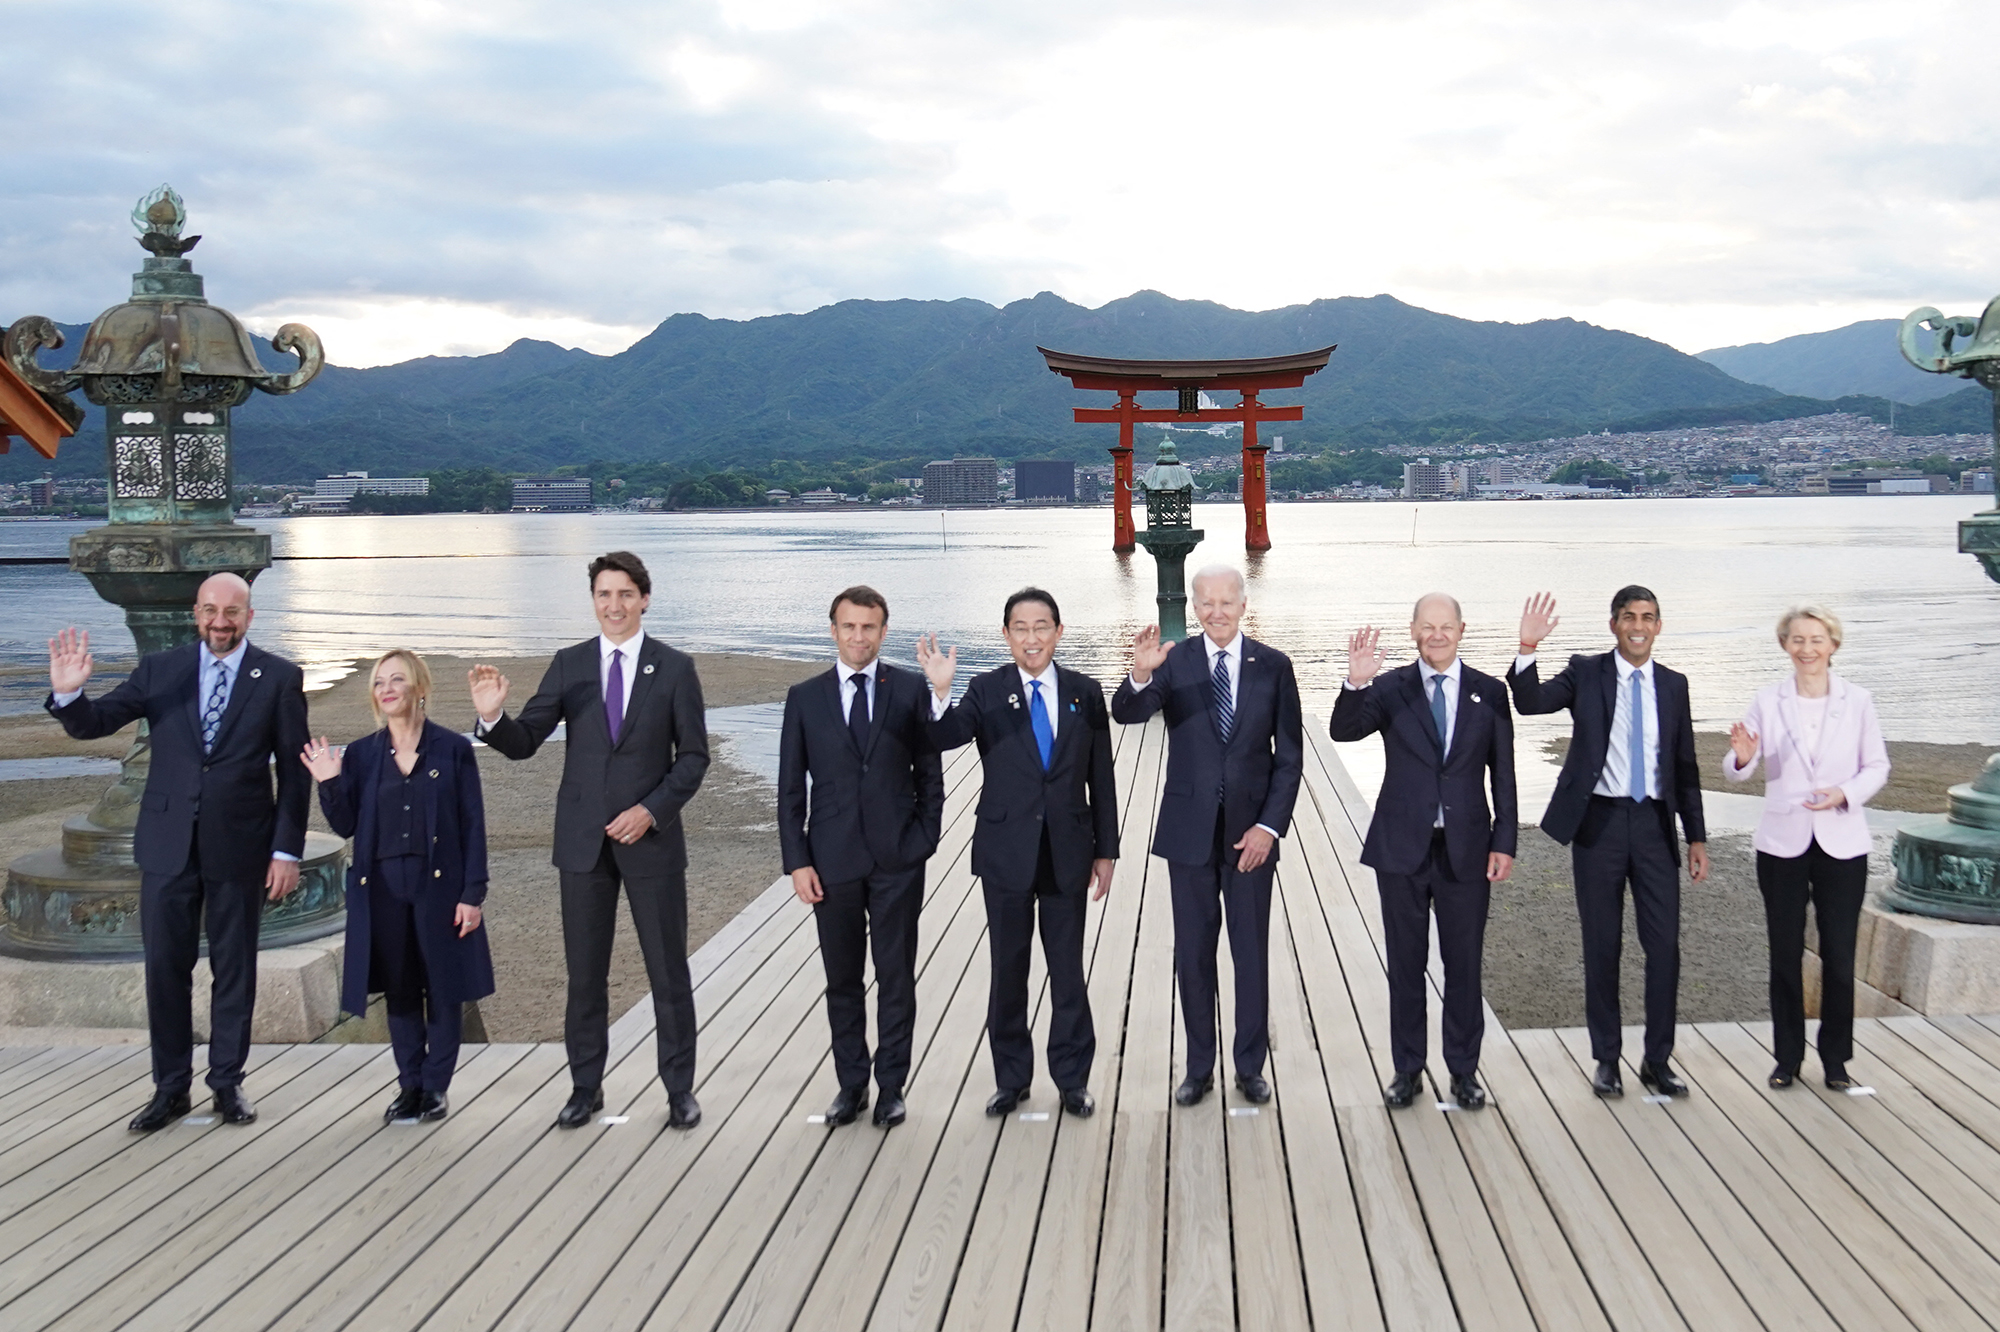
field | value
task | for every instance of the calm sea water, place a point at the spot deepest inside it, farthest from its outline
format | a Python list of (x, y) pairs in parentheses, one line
[(1921, 618)]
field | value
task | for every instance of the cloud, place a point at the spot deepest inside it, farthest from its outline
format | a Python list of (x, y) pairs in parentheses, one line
[(423, 176)]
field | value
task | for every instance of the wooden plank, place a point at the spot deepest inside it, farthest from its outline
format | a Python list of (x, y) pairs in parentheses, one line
[(1977, 1036), (74, 1081), (257, 1276), (1754, 1264), (1930, 1230), (1959, 1082), (40, 1063)]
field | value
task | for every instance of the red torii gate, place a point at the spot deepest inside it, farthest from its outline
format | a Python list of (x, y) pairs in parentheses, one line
[(1189, 378)]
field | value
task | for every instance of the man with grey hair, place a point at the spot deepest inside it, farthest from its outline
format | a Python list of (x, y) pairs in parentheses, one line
[(1235, 757), (213, 841), (1432, 844)]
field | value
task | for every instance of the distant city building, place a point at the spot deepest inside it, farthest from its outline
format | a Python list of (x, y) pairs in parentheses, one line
[(1045, 480), (962, 481), (824, 495), (1087, 488), (347, 485), (552, 494), (777, 495), (1976, 481), (42, 493), (1424, 479)]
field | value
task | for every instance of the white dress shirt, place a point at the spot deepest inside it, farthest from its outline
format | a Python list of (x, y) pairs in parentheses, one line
[(1616, 778), (630, 650), (1047, 680), (847, 686)]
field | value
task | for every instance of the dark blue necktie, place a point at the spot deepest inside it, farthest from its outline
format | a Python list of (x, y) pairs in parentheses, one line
[(614, 696), (857, 713), (1038, 714), (1438, 713), (1638, 742), (1225, 706), (211, 717)]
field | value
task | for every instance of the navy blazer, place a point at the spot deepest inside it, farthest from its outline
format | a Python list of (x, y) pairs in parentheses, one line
[(1588, 687), (1076, 798), (658, 762), (882, 808), (1418, 778), (1255, 777), (454, 863), (245, 821)]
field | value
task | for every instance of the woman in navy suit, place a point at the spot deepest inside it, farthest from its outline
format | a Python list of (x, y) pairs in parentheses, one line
[(408, 795)]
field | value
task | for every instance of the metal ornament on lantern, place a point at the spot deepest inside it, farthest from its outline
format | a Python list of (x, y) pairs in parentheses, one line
[(168, 368)]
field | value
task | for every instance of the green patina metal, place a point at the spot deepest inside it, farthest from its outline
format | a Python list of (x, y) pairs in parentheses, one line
[(1170, 535), (1950, 867), (168, 368)]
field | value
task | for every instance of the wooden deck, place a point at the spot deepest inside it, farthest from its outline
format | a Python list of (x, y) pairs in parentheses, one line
[(1737, 1208)]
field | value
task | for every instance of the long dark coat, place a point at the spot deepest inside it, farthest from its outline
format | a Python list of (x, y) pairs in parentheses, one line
[(459, 970)]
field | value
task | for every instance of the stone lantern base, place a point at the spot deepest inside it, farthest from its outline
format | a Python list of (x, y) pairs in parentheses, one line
[(1170, 547)]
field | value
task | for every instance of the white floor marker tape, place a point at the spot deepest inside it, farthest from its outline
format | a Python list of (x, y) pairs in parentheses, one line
[(1448, 1106), (616, 1119), (1034, 1116), (815, 1119), (1860, 1091), (199, 1119), (1658, 1100), (1236, 1111)]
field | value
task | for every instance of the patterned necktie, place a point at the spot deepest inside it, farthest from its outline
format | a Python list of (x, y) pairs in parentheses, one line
[(211, 716), (1438, 713), (614, 695), (1637, 789), (1225, 706), (857, 712), (1038, 714)]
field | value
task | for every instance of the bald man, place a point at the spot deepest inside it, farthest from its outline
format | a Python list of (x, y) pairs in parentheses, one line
[(1446, 731), (214, 840)]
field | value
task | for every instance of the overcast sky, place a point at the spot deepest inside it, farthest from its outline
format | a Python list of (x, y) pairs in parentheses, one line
[(414, 178)]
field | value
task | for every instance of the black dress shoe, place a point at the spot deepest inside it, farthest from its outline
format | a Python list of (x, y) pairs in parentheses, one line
[(1837, 1079), (1254, 1087), (432, 1107), (1403, 1091), (1608, 1081), (408, 1101), (1465, 1089), (583, 1103), (1783, 1075), (1004, 1100), (1661, 1080), (166, 1107), (850, 1102), (889, 1108), (234, 1106), (1079, 1102), (1192, 1089), (683, 1111)]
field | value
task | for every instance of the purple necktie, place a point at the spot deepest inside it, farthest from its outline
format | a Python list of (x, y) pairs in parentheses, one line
[(614, 695)]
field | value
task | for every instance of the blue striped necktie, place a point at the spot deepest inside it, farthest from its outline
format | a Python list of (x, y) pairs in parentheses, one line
[(1225, 706)]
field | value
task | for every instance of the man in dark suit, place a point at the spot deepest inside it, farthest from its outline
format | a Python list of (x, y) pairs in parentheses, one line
[(855, 843), (1235, 757), (1445, 727), (1629, 770), (636, 749), (213, 841), (1047, 831)]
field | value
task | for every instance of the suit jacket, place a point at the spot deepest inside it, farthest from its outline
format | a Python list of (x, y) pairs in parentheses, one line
[(1075, 799), (1850, 755), (225, 796), (1588, 687), (658, 762), (1418, 778), (1255, 777), (454, 863), (876, 809)]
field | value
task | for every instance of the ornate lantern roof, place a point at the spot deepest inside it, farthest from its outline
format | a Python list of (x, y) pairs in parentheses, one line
[(1169, 488)]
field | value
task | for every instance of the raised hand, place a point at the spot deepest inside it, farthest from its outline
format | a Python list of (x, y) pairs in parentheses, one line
[(69, 661), (1364, 655), (1538, 621), (1148, 653), (322, 760), (489, 692), (940, 668), (1743, 743)]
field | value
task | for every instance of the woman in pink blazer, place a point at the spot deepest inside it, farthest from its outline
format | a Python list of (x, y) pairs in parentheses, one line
[(1823, 758)]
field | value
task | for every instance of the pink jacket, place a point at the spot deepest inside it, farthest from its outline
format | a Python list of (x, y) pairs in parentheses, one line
[(1851, 756)]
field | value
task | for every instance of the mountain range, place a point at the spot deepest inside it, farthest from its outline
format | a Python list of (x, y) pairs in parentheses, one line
[(1861, 358), (912, 379)]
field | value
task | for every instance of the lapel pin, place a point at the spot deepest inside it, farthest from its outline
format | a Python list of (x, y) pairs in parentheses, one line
[(434, 772), (1014, 700), (1475, 698), (647, 669), (256, 672)]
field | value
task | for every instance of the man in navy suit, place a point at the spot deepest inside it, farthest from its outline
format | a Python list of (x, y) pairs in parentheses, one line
[(1235, 757), (1629, 770), (1047, 831), (213, 840), (1445, 727), (855, 843), (635, 751)]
